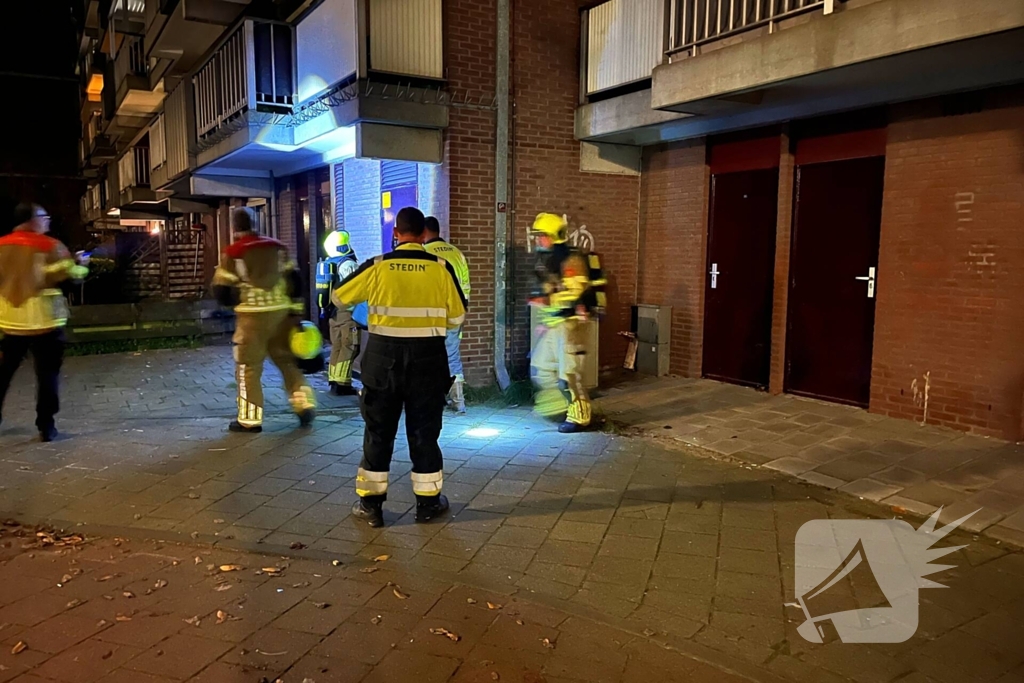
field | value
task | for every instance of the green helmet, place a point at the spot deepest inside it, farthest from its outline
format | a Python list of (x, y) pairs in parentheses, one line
[(305, 341)]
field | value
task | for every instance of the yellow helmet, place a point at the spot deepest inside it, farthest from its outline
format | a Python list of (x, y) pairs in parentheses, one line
[(336, 243), (305, 341), (553, 226)]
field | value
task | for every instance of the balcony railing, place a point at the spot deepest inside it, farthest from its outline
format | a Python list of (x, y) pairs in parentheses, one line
[(130, 60), (695, 22), (624, 41), (252, 70), (133, 168)]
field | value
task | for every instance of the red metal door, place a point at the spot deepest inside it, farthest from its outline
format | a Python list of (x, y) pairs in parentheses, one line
[(740, 278), (833, 266)]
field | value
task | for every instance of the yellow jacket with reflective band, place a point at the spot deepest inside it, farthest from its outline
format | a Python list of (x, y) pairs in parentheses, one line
[(454, 256), (409, 293), (31, 267), (256, 266)]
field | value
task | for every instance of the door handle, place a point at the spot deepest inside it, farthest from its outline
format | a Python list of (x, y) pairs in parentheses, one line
[(714, 275), (870, 279)]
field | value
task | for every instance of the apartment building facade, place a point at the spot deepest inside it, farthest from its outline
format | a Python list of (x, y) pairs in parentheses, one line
[(828, 194)]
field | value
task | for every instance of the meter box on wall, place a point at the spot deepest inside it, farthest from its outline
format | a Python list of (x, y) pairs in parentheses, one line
[(653, 328)]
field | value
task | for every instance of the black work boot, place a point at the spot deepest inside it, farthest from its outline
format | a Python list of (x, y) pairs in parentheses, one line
[(240, 428), (306, 417), (429, 509), (47, 434), (571, 427), (373, 513)]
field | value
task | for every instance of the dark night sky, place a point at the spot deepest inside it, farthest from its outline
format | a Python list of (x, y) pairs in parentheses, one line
[(40, 119)]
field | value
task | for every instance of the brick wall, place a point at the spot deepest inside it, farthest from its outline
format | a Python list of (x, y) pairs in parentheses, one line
[(284, 214), (673, 220), (547, 177), (469, 169), (951, 271), (362, 206), (783, 241)]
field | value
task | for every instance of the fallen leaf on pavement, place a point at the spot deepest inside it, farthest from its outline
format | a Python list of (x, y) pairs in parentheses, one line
[(122, 617), (222, 616), (19, 647), (382, 558), (271, 654), (161, 583), (128, 594), (192, 621), (321, 605), (369, 570), (546, 642), (218, 521), (198, 560), (231, 567), (335, 563), (74, 603), (223, 587), (399, 594), (470, 601), (495, 676), (102, 579), (492, 605), (193, 496), (273, 571), (519, 621), (454, 637), (65, 578)]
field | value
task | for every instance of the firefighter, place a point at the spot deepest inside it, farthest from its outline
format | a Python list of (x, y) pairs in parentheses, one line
[(453, 255), (569, 293), (256, 279), (413, 300), (33, 311), (339, 264)]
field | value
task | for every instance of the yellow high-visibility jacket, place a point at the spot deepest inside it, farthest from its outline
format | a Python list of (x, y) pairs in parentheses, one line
[(31, 267), (454, 256), (409, 292)]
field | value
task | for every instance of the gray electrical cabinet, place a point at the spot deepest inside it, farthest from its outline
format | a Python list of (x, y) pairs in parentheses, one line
[(653, 328)]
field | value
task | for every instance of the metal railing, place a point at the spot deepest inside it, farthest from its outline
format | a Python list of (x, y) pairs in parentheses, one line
[(130, 60), (157, 143), (253, 69), (133, 168), (695, 22)]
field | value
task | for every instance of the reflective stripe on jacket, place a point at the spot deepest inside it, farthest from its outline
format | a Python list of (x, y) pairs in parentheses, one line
[(409, 293), (31, 267), (454, 256)]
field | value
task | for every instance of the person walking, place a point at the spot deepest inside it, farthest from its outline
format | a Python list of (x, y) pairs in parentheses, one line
[(569, 293), (453, 341), (413, 299), (255, 278), (33, 311)]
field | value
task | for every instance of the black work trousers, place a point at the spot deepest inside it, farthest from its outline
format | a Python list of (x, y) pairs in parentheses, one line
[(402, 373), (48, 356)]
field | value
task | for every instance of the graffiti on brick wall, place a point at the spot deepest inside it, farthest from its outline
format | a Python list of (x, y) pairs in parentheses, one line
[(982, 256), (582, 239), (963, 202)]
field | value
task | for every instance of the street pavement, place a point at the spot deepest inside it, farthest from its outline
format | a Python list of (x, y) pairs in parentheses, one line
[(638, 557)]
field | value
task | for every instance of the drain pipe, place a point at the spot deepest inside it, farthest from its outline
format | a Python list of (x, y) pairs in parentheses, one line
[(501, 92)]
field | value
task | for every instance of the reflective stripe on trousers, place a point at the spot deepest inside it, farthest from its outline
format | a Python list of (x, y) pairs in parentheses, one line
[(371, 483)]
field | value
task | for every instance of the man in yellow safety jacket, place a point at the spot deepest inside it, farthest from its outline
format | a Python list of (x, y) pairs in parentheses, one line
[(569, 293), (339, 264), (414, 299), (256, 279), (33, 311), (453, 255)]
